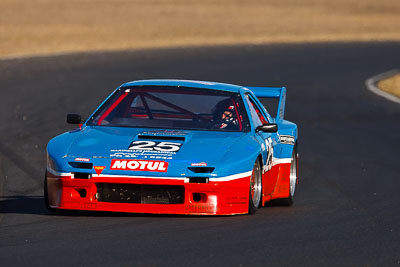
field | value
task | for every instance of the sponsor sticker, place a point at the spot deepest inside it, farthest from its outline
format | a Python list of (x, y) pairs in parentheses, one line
[(286, 139), (99, 169), (82, 159), (139, 165), (201, 208), (164, 132), (138, 154), (88, 205), (200, 164), (237, 200)]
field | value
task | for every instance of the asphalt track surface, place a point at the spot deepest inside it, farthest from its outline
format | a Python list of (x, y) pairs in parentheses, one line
[(347, 209)]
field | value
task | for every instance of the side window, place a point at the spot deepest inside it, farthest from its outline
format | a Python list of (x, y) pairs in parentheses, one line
[(253, 113), (257, 111), (259, 114)]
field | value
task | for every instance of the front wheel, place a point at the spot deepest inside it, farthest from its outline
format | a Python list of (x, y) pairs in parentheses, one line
[(255, 188)]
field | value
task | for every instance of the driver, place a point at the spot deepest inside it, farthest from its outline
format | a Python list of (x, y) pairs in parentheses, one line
[(224, 117)]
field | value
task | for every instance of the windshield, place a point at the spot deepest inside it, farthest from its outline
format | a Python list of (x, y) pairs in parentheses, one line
[(172, 108)]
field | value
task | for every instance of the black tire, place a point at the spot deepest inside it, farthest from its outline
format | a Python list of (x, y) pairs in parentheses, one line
[(293, 179), (255, 191)]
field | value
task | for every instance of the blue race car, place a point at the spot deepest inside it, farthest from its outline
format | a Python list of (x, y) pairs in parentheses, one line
[(175, 147)]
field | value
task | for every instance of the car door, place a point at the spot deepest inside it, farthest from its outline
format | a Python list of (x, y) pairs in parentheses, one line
[(268, 143)]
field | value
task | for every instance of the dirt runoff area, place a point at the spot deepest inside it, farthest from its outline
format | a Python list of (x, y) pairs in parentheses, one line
[(391, 85), (49, 26)]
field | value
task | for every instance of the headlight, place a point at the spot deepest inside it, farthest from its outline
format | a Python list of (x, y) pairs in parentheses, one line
[(51, 164)]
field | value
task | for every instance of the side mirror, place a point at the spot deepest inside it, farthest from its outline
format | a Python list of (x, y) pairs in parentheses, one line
[(74, 119), (268, 128)]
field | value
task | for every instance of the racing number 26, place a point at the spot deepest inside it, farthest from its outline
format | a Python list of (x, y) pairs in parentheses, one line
[(159, 146)]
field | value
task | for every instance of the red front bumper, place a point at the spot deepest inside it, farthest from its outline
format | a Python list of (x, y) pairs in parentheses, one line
[(212, 198)]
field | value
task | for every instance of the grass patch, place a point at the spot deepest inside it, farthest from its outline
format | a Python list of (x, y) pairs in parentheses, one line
[(46, 26), (391, 85)]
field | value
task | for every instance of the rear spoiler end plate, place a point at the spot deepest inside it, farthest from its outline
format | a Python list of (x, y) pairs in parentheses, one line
[(278, 93)]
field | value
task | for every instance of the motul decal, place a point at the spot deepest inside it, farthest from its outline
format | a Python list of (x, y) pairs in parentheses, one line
[(139, 165), (99, 169)]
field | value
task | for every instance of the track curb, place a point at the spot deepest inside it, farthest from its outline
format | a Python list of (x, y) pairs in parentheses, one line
[(371, 85)]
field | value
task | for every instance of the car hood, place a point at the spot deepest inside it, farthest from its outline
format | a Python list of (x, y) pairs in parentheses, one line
[(191, 148)]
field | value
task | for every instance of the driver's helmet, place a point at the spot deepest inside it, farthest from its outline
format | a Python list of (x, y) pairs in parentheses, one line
[(224, 111)]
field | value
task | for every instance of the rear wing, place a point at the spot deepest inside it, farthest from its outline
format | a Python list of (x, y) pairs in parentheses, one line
[(278, 93)]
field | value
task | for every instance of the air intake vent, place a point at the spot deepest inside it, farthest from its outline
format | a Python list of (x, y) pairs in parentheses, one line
[(201, 180), (81, 175), (161, 137), (137, 193), (81, 165), (201, 169)]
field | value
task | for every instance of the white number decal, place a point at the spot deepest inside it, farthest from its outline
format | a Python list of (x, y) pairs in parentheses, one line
[(142, 145), (159, 146), (268, 162), (167, 146)]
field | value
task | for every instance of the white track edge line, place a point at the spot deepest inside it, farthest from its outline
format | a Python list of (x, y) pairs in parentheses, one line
[(371, 85)]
